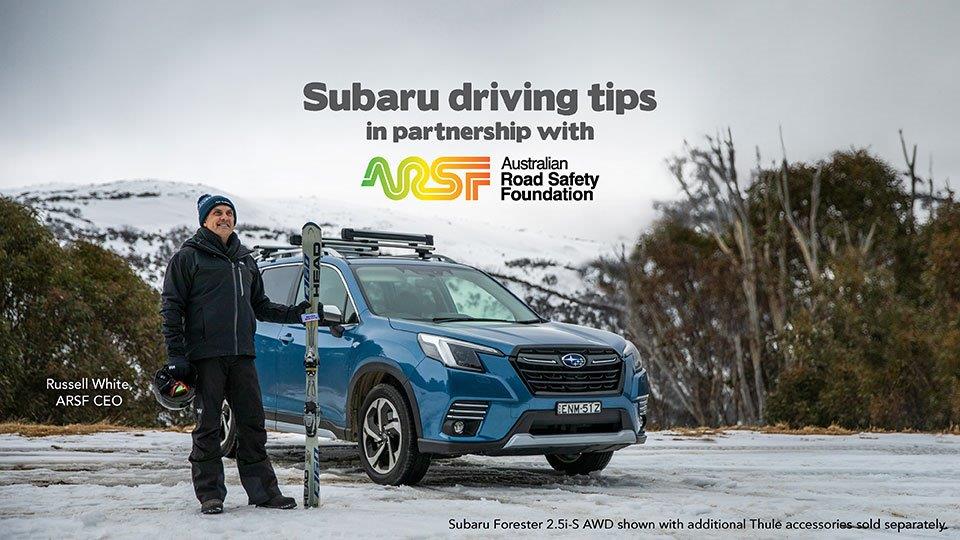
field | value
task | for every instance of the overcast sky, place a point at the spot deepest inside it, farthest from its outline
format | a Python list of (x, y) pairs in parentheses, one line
[(212, 92)]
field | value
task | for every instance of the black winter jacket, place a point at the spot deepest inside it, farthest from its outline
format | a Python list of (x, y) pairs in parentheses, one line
[(212, 297)]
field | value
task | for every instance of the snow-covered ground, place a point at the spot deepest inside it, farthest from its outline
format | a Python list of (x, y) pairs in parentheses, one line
[(137, 484)]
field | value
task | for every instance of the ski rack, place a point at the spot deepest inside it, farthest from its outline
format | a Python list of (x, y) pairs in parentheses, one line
[(355, 243)]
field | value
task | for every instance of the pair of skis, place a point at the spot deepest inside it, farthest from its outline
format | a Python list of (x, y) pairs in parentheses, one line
[(312, 244)]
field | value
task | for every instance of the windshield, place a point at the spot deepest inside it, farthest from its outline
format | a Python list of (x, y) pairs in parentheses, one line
[(439, 294)]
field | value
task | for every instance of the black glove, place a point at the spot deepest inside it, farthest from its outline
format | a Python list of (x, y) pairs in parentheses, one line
[(302, 308), (181, 369)]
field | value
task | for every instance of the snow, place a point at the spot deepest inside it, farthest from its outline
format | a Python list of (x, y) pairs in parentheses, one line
[(137, 484), (152, 207)]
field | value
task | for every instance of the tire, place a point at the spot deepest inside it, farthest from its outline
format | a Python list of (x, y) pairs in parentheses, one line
[(387, 439), (585, 463), (228, 432)]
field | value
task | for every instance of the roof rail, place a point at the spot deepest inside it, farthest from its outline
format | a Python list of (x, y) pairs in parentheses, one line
[(359, 243)]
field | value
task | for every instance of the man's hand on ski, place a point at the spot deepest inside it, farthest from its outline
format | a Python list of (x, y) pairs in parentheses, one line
[(302, 307), (181, 369)]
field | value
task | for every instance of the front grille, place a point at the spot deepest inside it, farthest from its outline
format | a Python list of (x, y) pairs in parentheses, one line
[(544, 374)]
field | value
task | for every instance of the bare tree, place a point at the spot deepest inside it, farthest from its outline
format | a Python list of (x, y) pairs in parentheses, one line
[(709, 177), (807, 242), (912, 175), (932, 197)]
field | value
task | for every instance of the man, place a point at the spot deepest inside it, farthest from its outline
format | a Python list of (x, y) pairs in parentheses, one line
[(212, 296)]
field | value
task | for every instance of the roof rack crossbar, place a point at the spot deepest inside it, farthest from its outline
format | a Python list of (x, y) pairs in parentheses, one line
[(264, 252), (359, 243), (374, 246), (350, 235)]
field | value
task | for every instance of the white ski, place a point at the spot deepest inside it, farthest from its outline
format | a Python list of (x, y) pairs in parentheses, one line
[(312, 245)]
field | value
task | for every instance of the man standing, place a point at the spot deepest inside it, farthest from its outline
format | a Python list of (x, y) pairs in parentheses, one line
[(212, 297)]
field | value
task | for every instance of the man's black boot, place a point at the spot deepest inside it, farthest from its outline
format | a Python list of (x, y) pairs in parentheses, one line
[(212, 506), (279, 501)]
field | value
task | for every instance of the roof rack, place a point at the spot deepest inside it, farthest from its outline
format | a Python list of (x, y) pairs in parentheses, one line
[(360, 243)]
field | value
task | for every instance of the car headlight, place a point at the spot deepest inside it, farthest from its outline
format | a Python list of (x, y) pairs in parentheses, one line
[(631, 350), (453, 352)]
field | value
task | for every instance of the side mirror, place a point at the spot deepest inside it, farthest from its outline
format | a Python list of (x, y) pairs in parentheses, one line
[(332, 316)]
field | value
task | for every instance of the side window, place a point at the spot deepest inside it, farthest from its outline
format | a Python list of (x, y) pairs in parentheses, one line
[(333, 293), (277, 282)]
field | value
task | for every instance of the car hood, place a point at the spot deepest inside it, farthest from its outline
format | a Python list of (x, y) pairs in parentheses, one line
[(506, 336)]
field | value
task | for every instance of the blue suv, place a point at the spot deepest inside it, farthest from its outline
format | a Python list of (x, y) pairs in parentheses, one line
[(421, 356)]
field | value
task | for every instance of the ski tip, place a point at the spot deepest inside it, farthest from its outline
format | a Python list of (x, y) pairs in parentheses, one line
[(310, 224)]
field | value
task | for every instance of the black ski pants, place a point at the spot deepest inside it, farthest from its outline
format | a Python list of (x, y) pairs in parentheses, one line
[(233, 377)]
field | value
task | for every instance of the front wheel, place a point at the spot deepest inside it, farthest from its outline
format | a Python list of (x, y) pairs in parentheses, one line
[(584, 463), (228, 431), (388, 439)]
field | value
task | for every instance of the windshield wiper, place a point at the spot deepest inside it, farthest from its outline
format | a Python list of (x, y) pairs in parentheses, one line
[(467, 318)]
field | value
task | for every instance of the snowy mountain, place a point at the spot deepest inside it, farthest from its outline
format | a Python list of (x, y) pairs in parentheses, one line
[(144, 221)]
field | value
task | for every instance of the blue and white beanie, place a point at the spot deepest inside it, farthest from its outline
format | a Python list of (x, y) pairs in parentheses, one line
[(206, 202)]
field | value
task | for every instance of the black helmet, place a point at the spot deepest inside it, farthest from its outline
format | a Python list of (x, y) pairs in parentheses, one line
[(171, 393)]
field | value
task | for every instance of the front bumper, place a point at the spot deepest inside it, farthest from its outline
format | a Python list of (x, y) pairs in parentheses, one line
[(610, 430), (525, 440)]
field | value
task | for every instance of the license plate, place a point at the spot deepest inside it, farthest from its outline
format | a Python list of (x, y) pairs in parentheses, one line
[(583, 407)]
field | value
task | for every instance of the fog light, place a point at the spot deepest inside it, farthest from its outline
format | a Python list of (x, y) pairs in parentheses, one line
[(458, 427)]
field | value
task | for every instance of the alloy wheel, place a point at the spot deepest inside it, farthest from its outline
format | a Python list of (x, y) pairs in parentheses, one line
[(228, 431), (382, 435)]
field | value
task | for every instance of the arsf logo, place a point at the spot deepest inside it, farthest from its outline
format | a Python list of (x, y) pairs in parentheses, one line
[(451, 175)]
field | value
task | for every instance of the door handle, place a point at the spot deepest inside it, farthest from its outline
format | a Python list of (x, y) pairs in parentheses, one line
[(286, 338)]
